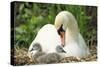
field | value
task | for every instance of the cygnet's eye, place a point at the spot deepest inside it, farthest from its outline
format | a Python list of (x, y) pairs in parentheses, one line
[(35, 47)]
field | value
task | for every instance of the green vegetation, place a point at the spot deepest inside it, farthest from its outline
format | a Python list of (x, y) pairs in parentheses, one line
[(30, 17)]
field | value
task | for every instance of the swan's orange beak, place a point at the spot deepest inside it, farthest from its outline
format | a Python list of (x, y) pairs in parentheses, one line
[(62, 36), (61, 32)]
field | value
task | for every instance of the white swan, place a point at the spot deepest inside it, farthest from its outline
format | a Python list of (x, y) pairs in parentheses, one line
[(74, 44), (48, 38)]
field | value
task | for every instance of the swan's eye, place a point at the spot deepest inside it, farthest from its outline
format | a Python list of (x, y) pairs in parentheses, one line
[(60, 29)]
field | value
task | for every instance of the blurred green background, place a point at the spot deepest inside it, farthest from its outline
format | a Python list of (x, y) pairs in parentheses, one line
[(30, 17)]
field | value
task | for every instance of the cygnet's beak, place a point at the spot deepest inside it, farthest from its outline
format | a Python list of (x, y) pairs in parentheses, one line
[(64, 51), (60, 49), (31, 50)]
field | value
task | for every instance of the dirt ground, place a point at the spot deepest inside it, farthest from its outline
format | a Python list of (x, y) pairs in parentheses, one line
[(21, 58)]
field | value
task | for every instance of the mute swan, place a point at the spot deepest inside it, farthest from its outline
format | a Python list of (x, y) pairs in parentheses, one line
[(74, 44), (48, 38)]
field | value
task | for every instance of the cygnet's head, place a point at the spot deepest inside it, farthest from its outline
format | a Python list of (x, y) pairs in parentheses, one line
[(60, 49), (35, 48)]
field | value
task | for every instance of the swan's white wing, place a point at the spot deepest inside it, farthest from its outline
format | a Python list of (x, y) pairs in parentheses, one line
[(72, 49), (83, 45), (48, 38), (76, 47)]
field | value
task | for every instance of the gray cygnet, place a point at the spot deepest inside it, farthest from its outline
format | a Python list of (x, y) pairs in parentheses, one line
[(43, 58)]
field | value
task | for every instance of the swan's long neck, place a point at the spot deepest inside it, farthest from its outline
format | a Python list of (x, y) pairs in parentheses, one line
[(70, 23), (72, 31)]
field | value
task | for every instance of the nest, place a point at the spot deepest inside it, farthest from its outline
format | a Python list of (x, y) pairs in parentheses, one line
[(21, 57)]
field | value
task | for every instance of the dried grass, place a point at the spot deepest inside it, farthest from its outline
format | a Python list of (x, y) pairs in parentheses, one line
[(21, 57)]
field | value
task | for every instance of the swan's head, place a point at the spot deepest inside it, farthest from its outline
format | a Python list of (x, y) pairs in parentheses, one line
[(63, 21)]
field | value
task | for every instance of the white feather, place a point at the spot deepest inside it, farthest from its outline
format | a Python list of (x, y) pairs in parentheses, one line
[(48, 38)]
